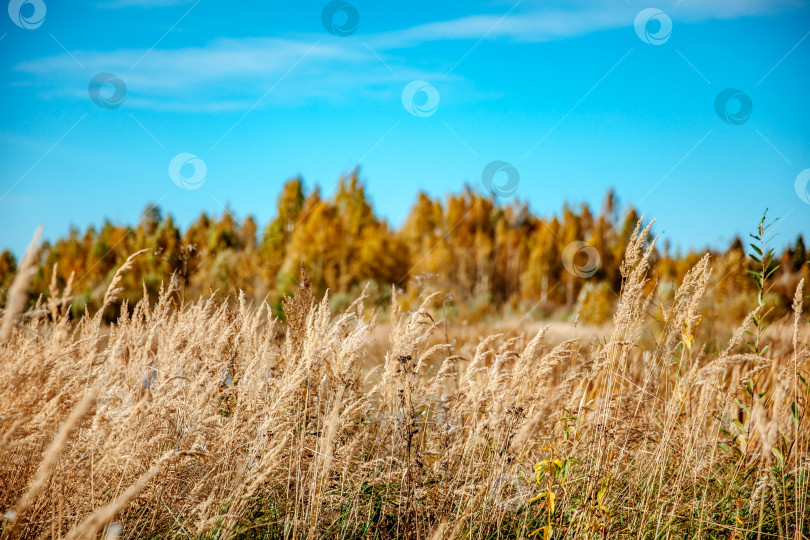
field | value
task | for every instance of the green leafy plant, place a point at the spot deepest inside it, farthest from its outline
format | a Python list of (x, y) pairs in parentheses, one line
[(545, 474), (764, 259)]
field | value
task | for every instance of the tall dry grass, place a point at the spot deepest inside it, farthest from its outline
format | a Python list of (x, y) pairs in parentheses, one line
[(209, 420)]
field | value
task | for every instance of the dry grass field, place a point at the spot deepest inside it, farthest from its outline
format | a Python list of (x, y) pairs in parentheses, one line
[(217, 420)]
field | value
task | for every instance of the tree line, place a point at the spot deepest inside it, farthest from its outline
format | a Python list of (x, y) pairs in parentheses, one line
[(486, 257)]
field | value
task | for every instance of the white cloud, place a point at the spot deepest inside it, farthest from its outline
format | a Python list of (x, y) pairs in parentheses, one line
[(143, 3), (225, 74), (228, 74), (550, 21)]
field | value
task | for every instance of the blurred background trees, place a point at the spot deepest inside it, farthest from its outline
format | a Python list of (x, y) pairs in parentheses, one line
[(486, 257)]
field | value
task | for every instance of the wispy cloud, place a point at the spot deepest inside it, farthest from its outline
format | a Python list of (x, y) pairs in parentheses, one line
[(223, 75), (142, 3), (228, 74), (551, 21)]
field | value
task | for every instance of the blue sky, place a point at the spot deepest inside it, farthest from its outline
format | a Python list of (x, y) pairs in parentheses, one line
[(567, 92)]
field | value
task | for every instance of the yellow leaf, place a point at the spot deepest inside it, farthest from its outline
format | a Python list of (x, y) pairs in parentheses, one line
[(688, 333)]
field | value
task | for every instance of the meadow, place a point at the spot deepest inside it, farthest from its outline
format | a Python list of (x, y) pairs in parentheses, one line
[(212, 419)]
